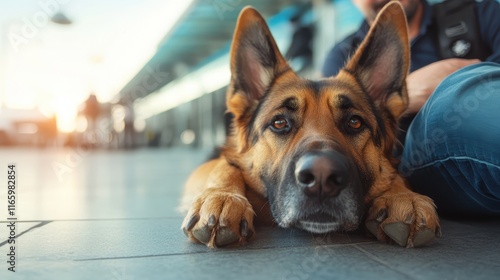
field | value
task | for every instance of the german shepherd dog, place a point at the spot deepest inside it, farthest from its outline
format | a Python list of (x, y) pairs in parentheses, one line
[(316, 155)]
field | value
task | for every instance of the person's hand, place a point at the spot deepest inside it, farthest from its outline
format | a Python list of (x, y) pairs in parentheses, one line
[(422, 82)]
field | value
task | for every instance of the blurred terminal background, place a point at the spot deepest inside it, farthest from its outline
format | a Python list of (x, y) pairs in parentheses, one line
[(121, 74)]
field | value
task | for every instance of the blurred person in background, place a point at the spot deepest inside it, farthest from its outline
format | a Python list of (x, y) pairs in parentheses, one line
[(129, 130), (48, 132), (91, 110)]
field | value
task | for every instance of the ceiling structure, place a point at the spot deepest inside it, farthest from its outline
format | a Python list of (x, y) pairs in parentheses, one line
[(204, 29)]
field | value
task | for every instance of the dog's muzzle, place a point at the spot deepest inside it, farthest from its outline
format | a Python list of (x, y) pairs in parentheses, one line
[(325, 177)]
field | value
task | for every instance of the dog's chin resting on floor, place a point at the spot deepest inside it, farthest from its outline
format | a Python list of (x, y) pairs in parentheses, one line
[(315, 155)]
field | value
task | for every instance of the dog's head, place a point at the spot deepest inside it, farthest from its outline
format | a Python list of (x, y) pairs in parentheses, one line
[(318, 150)]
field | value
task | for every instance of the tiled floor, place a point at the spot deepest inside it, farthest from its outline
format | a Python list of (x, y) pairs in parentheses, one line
[(111, 215)]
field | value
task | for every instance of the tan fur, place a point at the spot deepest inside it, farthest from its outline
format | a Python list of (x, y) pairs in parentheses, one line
[(229, 191)]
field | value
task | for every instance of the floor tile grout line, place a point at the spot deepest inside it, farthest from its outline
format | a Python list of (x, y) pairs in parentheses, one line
[(379, 260), (90, 220), (41, 224), (223, 251), (139, 257)]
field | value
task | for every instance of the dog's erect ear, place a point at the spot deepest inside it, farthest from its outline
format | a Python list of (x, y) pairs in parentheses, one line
[(255, 63), (381, 62), (255, 59)]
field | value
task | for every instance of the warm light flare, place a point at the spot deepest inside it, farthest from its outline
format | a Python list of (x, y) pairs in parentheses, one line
[(66, 111), (53, 68)]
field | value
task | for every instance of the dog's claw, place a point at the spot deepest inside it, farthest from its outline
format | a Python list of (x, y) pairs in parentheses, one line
[(245, 231), (225, 236), (194, 219), (398, 232), (381, 215), (244, 228), (211, 221)]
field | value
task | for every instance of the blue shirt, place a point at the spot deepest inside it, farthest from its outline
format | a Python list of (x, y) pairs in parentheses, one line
[(424, 49)]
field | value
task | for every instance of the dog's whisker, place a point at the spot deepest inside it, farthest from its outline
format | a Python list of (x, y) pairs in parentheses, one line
[(264, 205)]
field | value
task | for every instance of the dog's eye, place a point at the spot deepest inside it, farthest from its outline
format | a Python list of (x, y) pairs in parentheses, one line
[(355, 122), (280, 125)]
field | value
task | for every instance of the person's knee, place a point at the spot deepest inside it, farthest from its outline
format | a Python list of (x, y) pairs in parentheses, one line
[(458, 119), (425, 137)]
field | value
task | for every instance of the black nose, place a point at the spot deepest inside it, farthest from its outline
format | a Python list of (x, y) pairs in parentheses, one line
[(322, 173)]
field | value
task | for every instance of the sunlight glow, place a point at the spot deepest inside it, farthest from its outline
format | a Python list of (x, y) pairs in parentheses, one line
[(57, 67), (66, 111)]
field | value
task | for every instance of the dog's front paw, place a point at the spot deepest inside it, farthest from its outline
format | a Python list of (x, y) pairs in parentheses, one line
[(409, 219), (219, 218)]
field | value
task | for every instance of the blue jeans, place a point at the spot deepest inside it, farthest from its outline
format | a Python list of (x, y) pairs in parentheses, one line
[(452, 148)]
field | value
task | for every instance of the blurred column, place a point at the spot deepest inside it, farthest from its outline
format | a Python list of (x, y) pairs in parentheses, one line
[(325, 31)]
